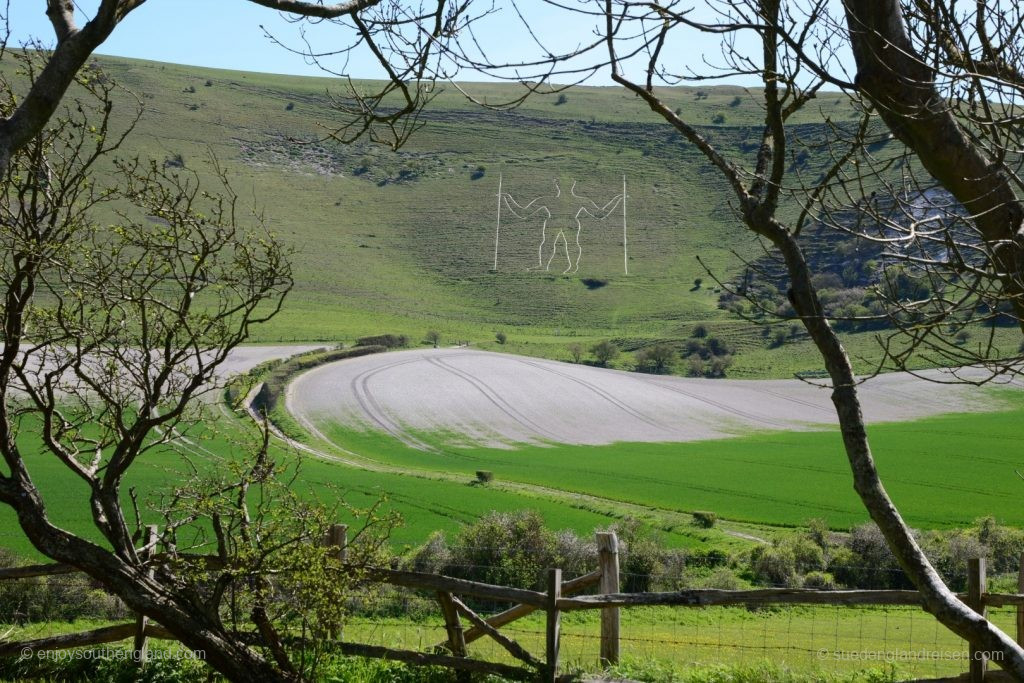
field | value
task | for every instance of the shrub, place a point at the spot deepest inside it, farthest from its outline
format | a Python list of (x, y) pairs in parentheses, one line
[(433, 337), (290, 106), (700, 331), (575, 352), (721, 578), (484, 476), (433, 556), (63, 597), (500, 337), (562, 99), (819, 581), (774, 565), (576, 556), (507, 548), (604, 352), (390, 341), (640, 556), (808, 555), (657, 359), (718, 119), (735, 102), (866, 561), (697, 282), (208, 83), (704, 519), (478, 173)]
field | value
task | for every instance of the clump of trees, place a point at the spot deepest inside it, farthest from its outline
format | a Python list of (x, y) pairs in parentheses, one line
[(707, 356)]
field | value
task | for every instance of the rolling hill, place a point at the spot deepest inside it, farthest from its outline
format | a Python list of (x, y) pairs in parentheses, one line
[(404, 241)]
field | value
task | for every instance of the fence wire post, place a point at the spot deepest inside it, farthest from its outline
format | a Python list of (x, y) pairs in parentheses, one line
[(1020, 608), (337, 539), (608, 563), (976, 587), (141, 644), (554, 625)]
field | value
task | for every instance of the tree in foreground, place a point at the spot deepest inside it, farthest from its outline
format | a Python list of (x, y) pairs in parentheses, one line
[(794, 48), (112, 335)]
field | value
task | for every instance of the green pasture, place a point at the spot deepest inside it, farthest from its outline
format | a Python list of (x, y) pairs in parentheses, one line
[(821, 643), (775, 478), (664, 643), (425, 502)]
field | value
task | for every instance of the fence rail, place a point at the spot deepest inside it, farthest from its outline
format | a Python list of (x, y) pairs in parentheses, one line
[(559, 597)]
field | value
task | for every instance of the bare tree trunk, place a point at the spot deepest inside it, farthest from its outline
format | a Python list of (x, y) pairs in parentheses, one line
[(938, 598)]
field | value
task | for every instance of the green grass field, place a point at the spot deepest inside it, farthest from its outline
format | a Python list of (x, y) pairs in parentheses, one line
[(426, 503), (681, 644), (780, 478), (773, 479)]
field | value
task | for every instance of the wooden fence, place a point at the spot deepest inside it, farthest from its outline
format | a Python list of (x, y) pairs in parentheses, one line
[(559, 597)]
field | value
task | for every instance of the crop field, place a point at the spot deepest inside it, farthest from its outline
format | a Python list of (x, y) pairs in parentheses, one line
[(781, 478), (767, 479), (495, 399)]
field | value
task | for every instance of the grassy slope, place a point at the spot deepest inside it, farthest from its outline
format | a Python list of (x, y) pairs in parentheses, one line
[(375, 255)]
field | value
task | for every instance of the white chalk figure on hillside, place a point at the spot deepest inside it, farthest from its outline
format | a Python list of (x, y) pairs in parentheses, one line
[(562, 212)]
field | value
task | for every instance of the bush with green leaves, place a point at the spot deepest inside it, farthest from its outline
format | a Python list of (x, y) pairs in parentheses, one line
[(704, 519), (604, 352)]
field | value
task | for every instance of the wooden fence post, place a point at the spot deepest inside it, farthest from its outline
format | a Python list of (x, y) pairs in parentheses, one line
[(141, 645), (608, 563), (1020, 608), (456, 636), (976, 587), (337, 538), (554, 626)]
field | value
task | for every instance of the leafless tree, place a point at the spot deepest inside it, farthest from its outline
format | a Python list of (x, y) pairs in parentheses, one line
[(795, 49), (408, 39), (112, 334)]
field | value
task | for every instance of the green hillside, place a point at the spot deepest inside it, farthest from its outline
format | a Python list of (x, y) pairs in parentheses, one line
[(404, 241)]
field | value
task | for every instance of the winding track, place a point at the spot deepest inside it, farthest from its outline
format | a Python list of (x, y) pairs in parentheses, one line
[(496, 399)]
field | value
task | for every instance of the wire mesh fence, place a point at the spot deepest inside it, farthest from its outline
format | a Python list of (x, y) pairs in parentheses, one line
[(828, 638)]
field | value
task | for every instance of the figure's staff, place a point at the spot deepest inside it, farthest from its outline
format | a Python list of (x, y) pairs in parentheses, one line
[(497, 228), (625, 244)]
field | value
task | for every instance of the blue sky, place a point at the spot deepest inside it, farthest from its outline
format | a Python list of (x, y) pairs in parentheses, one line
[(228, 34)]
